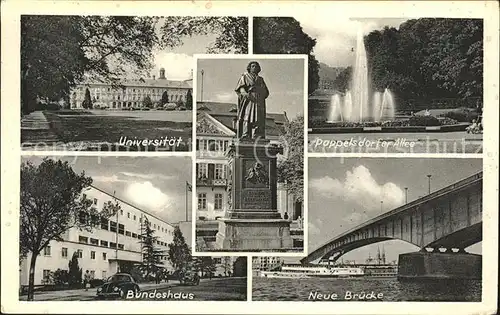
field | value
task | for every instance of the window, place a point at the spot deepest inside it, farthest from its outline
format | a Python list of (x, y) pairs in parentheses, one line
[(104, 224), (92, 254), (83, 239), (112, 245), (112, 226), (104, 243), (104, 256), (82, 217), (95, 201), (219, 171), (202, 201), (128, 215), (154, 226), (217, 261), (64, 252), (218, 202), (46, 251), (127, 233), (94, 241), (135, 217), (134, 235), (121, 229), (121, 212), (202, 170), (120, 246), (79, 253)]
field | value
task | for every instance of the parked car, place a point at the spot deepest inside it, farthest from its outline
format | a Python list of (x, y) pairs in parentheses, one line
[(118, 286)]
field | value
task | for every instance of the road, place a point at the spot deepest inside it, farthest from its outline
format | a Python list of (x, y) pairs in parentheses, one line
[(449, 142), (217, 289)]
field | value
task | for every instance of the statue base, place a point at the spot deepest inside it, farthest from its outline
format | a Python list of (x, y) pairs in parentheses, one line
[(254, 234)]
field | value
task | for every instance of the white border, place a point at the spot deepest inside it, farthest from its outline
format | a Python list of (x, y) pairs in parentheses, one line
[(251, 57)]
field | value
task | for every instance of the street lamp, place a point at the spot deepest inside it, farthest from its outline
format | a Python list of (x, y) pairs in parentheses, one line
[(202, 73), (429, 183), (406, 194)]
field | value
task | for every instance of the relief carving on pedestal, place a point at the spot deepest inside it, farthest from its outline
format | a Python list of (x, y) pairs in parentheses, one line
[(257, 174)]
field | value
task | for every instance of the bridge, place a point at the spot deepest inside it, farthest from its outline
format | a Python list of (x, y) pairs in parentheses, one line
[(447, 219)]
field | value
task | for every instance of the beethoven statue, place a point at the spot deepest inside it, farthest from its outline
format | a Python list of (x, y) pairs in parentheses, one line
[(252, 93)]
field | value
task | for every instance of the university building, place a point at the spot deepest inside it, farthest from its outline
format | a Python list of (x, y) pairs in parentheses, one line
[(215, 131), (113, 246), (131, 94)]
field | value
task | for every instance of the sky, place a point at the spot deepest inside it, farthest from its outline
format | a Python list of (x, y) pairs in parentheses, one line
[(284, 79), (336, 35), (346, 192), (154, 184), (178, 62)]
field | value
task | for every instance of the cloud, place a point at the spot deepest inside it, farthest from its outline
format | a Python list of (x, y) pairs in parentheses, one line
[(107, 179), (360, 188), (145, 194), (177, 66)]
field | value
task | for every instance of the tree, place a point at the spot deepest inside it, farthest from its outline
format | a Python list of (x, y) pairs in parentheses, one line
[(151, 255), (291, 168), (240, 267), (164, 98), (51, 203), (75, 272), (343, 80), (146, 102), (227, 266), (284, 35), (178, 251), (189, 100), (231, 33), (57, 52), (87, 102)]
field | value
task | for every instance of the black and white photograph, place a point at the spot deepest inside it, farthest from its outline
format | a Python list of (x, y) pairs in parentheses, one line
[(250, 154), (386, 85), (115, 83), (109, 228), (377, 233)]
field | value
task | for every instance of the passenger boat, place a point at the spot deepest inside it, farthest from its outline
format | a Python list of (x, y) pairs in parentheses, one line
[(313, 272)]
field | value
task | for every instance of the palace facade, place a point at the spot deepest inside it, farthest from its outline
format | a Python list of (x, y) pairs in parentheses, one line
[(131, 94), (215, 131), (109, 248)]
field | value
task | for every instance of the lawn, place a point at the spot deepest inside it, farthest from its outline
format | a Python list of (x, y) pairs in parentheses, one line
[(101, 131)]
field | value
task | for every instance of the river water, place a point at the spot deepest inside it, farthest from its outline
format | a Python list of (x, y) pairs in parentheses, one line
[(309, 289)]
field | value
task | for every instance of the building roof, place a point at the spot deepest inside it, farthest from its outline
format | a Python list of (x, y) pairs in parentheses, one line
[(131, 205), (225, 113)]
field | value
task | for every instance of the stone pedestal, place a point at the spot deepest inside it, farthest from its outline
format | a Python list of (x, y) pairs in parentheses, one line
[(252, 222), (425, 265)]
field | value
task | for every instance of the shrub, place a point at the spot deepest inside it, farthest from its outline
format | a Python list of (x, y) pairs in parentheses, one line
[(461, 116), (424, 121), (96, 282)]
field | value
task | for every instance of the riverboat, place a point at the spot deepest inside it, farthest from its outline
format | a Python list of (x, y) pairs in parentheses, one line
[(313, 272)]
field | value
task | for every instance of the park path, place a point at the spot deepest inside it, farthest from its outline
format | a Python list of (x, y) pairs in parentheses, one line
[(35, 128)]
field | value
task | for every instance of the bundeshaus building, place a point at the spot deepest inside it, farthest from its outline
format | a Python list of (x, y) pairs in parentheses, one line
[(215, 131), (113, 246), (131, 94)]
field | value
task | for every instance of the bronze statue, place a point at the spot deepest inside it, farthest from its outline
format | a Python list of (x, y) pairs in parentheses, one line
[(252, 93)]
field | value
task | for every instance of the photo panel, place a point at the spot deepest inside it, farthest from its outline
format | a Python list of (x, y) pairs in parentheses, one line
[(378, 234), (120, 83), (386, 85), (115, 228), (250, 169)]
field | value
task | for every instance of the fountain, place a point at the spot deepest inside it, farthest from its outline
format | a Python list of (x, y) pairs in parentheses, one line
[(355, 105)]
